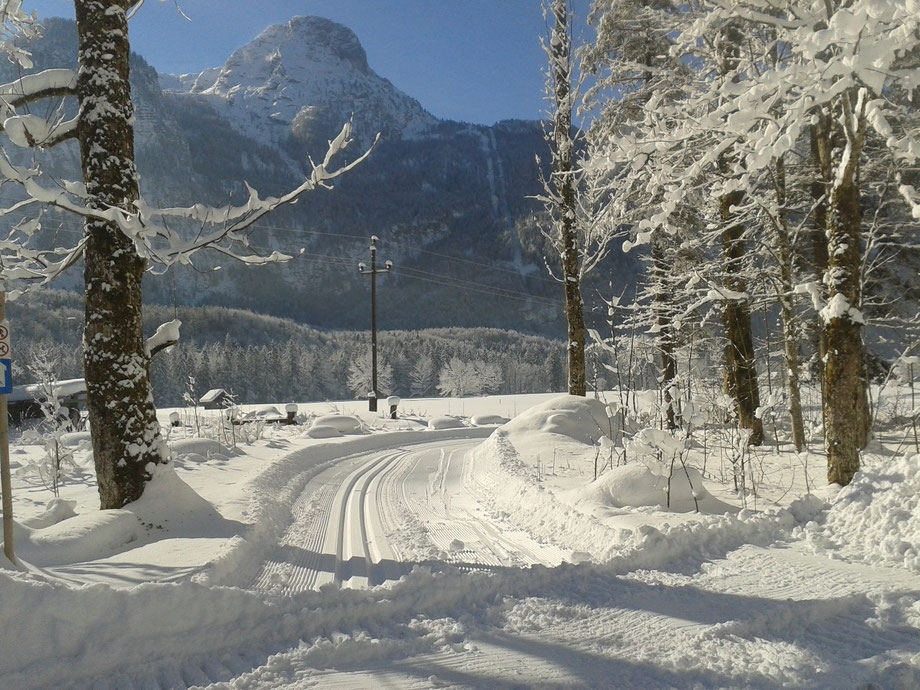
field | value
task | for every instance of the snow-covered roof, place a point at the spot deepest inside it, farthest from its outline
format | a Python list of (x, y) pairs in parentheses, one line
[(33, 391), (212, 396)]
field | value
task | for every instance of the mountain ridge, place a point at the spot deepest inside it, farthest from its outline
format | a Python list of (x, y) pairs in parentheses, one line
[(447, 199)]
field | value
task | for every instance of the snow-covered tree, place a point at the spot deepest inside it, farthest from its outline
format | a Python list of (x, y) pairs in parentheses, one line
[(423, 376), (763, 76), (576, 234), (123, 234), (631, 64), (458, 378), (489, 377), (359, 376)]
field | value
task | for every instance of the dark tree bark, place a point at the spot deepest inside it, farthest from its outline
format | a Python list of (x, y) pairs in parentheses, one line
[(740, 369), (126, 436), (845, 388), (846, 424), (563, 177)]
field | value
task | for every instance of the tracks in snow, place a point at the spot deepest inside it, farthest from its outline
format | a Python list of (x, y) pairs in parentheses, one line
[(375, 515)]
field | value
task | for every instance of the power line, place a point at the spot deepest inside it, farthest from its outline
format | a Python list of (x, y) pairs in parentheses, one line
[(407, 271), (527, 299), (483, 286), (469, 261), (357, 238)]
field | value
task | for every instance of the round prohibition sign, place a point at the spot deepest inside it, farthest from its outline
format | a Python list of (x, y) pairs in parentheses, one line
[(4, 348), (4, 332)]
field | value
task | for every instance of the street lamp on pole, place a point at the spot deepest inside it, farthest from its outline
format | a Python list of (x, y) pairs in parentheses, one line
[(372, 272)]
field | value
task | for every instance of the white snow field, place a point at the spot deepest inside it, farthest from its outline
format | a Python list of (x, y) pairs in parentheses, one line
[(423, 553)]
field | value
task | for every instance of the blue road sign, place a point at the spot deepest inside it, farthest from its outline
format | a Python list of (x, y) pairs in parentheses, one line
[(6, 376)]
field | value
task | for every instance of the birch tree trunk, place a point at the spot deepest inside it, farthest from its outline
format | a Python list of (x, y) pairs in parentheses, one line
[(821, 154), (663, 309), (125, 433), (790, 321)]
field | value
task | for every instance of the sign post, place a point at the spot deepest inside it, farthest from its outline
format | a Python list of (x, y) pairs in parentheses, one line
[(6, 387)]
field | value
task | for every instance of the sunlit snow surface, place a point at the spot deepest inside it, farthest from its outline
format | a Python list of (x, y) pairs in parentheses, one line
[(503, 562)]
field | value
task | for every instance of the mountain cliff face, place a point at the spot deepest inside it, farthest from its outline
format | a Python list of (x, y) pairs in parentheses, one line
[(443, 197), (303, 78)]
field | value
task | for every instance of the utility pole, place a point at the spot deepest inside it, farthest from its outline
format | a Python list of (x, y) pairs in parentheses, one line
[(372, 272)]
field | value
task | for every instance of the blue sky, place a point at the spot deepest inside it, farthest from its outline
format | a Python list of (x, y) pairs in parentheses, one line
[(473, 60)]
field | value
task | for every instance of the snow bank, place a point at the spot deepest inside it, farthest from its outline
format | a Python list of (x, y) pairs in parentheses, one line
[(876, 519), (205, 448), (343, 423), (582, 419), (76, 539), (488, 419), (564, 507), (445, 422), (170, 507), (323, 431), (56, 509), (635, 485)]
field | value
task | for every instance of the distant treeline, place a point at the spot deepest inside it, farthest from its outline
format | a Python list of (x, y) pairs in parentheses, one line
[(266, 359)]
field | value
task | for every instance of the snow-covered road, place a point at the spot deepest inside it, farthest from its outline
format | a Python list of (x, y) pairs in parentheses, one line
[(374, 516), (419, 558)]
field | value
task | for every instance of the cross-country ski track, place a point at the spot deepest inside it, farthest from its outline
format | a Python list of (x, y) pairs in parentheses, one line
[(372, 517), (404, 560)]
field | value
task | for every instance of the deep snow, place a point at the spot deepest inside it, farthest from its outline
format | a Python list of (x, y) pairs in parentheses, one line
[(631, 586)]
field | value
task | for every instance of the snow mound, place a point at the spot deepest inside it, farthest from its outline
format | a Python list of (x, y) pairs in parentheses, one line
[(444, 422), (170, 508), (343, 423), (488, 419), (264, 412), (197, 451), (876, 519), (76, 539), (77, 439), (323, 431), (582, 419), (56, 510), (200, 446), (635, 485)]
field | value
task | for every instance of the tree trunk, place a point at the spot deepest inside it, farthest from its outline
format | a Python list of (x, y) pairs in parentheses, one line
[(564, 179), (740, 370), (125, 433), (790, 321), (845, 404), (821, 146), (665, 335)]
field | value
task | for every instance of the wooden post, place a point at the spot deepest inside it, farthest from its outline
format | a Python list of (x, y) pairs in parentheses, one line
[(5, 479)]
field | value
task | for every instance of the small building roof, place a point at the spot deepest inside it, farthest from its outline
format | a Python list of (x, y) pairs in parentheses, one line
[(213, 395)]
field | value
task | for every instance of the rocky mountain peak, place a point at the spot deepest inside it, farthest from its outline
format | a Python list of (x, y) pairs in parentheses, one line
[(304, 79), (283, 50)]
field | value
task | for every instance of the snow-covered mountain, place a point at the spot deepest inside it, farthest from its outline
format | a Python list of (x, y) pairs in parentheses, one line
[(304, 77), (431, 190)]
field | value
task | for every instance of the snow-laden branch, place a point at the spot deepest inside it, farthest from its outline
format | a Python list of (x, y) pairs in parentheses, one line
[(167, 335), (52, 83), (147, 226)]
